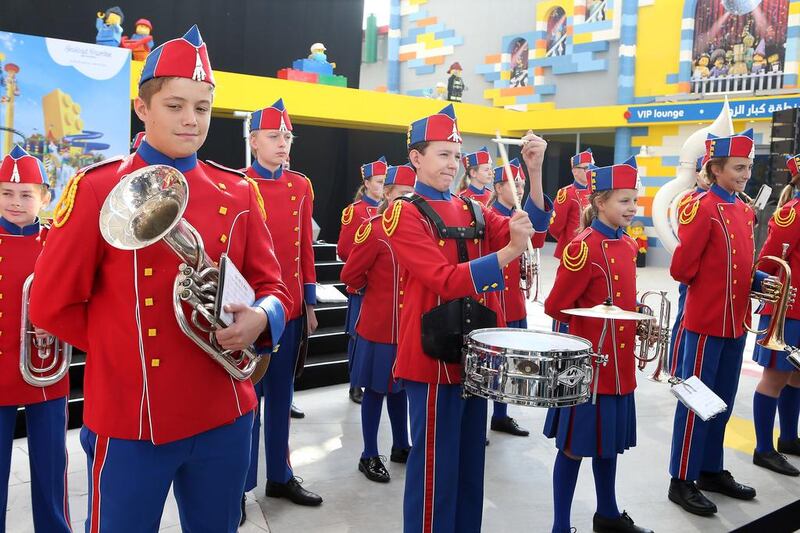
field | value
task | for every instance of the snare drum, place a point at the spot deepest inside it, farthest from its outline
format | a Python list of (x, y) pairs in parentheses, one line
[(528, 367)]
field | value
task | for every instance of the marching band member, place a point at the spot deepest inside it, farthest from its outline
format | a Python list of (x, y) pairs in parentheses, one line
[(373, 269), (478, 176), (512, 299), (23, 192), (453, 251), (136, 141), (365, 205), (675, 352), (779, 387), (159, 412), (599, 264), (714, 258), (570, 203), (289, 200)]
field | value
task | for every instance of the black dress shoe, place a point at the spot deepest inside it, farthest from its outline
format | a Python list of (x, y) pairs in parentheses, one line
[(623, 523), (399, 455), (510, 426), (296, 413), (293, 491), (686, 494), (776, 462), (789, 447), (374, 469), (244, 515), (356, 394), (724, 483)]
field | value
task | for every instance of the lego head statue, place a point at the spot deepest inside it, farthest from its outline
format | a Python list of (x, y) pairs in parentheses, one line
[(455, 69), (636, 229), (143, 27), (318, 52), (114, 16)]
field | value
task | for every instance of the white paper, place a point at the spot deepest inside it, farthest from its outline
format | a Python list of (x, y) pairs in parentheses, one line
[(233, 289), (328, 294), (696, 396)]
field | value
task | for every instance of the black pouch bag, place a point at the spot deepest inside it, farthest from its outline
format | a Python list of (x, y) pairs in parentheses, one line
[(445, 326)]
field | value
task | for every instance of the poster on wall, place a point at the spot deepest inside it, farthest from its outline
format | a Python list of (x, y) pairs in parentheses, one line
[(65, 102), (739, 45)]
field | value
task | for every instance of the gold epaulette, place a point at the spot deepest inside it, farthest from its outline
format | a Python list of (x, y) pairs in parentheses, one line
[(363, 232), (561, 196), (687, 213), (577, 261), (259, 198), (391, 217), (784, 221), (65, 204), (553, 217), (347, 215)]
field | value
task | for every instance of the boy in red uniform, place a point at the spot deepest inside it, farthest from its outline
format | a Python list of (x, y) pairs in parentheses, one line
[(23, 192), (453, 251), (159, 412), (289, 199)]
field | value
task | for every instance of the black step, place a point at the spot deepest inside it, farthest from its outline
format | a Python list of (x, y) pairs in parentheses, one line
[(328, 271), (328, 370), (324, 252), (331, 316), (327, 341)]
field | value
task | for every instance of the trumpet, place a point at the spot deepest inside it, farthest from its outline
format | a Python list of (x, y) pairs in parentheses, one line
[(654, 336), (147, 206), (50, 352)]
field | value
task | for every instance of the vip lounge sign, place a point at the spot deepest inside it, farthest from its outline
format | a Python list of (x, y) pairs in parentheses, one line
[(706, 111)]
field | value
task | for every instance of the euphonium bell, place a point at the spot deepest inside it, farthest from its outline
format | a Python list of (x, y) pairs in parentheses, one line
[(147, 206), (654, 336), (529, 274), (38, 367)]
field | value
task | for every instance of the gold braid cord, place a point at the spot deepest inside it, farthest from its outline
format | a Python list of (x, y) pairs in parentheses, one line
[(310, 187), (391, 218), (561, 196), (347, 215), (65, 204), (259, 198), (363, 232), (688, 212), (784, 220), (577, 261)]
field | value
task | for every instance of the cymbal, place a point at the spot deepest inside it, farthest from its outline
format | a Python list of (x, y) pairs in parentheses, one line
[(607, 310)]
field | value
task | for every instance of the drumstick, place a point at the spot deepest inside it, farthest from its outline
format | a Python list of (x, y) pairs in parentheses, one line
[(507, 170), (505, 140)]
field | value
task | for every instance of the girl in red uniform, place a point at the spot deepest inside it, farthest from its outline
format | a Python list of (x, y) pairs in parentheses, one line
[(22, 194), (598, 265), (477, 176), (373, 269)]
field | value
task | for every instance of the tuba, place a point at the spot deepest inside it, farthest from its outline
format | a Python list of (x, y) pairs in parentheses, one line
[(147, 206), (654, 336), (52, 355)]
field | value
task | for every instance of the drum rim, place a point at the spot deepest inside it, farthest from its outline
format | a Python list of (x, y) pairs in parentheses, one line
[(588, 349)]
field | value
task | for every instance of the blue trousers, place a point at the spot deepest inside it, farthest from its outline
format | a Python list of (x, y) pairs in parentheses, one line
[(675, 353), (697, 445), (129, 480), (444, 474), (277, 389), (46, 423)]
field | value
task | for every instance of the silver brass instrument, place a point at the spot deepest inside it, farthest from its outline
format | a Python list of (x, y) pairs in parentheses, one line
[(530, 281), (50, 352), (654, 336), (147, 206)]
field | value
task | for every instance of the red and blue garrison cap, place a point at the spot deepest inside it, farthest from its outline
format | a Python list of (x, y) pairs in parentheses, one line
[(516, 172), (481, 157), (136, 141), (376, 168), (439, 127), (186, 57), (793, 164), (20, 167), (401, 175), (737, 145), (583, 158), (274, 117), (622, 176)]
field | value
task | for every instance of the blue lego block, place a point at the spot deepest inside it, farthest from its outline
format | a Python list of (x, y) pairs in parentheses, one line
[(427, 69), (444, 34), (454, 41), (670, 160), (672, 78), (309, 65)]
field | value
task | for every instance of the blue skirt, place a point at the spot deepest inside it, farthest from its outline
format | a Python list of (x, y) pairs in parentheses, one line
[(353, 310), (772, 358), (372, 366), (604, 429), (522, 324)]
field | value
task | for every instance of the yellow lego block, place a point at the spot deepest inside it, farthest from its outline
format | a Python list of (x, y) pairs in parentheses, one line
[(581, 38), (62, 115), (505, 75)]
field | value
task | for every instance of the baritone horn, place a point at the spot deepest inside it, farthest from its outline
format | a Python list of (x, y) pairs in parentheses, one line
[(49, 363), (147, 206), (654, 336)]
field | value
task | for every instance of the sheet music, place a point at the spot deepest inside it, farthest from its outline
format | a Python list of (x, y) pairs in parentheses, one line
[(696, 396), (233, 288), (329, 294)]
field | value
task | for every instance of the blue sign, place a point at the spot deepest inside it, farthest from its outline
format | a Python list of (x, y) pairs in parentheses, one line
[(705, 111)]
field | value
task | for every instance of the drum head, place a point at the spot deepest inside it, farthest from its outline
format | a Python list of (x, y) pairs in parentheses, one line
[(529, 340)]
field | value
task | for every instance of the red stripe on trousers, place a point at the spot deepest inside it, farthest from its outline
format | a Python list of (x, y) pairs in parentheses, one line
[(676, 351), (430, 459), (100, 453), (687, 434)]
